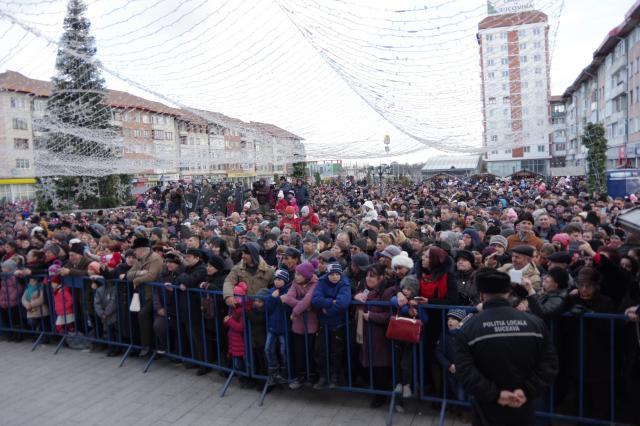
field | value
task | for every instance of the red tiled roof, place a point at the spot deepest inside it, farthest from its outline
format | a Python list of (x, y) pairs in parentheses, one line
[(16, 82), (512, 19)]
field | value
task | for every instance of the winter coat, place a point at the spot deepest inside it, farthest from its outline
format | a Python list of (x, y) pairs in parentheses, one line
[(530, 240), (277, 311), (152, 263), (302, 194), (189, 301), (445, 349), (332, 301), (548, 305), (8, 292), (105, 303), (531, 272), (63, 301), (596, 339), (38, 303), (281, 205), (258, 328), (77, 269), (262, 277), (294, 222), (375, 330), (467, 291), (299, 298), (235, 334)]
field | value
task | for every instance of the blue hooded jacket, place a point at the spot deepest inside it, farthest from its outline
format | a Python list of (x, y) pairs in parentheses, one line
[(277, 312), (324, 295)]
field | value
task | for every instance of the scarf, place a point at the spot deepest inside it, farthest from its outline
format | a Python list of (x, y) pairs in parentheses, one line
[(433, 289), (31, 290)]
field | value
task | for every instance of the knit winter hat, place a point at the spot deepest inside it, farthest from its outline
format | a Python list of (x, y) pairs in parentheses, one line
[(289, 210), (281, 274), (500, 240), (402, 260), (458, 314), (306, 269), (410, 282), (304, 211), (334, 268)]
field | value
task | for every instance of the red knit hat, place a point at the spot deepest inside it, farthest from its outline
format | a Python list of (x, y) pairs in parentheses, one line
[(115, 260)]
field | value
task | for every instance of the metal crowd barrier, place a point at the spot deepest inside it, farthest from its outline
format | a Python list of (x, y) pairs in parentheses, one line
[(192, 337)]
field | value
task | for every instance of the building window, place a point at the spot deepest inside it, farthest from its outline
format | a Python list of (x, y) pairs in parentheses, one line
[(504, 61), (491, 75), (145, 133), (538, 70), (492, 101), (20, 124), (489, 49), (506, 100), (537, 58), (507, 151), (536, 31), (18, 103), (523, 58), (22, 163), (541, 148), (527, 149), (523, 46), (494, 138), (157, 135), (505, 73), (20, 143), (117, 116), (490, 62), (522, 33), (145, 118), (39, 105), (168, 136), (503, 48), (488, 37), (561, 147), (537, 45)]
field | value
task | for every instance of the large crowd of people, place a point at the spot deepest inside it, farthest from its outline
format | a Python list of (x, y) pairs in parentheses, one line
[(306, 265)]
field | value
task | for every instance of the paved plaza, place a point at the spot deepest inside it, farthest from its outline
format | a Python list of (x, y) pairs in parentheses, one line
[(83, 388)]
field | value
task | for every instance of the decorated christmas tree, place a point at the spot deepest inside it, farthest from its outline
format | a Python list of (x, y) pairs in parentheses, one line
[(79, 139)]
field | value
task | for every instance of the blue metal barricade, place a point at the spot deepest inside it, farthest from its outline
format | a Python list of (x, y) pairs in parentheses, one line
[(191, 326)]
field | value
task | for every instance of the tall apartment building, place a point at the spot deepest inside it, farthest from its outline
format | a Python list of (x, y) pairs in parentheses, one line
[(558, 137), (159, 142), (514, 55), (607, 91)]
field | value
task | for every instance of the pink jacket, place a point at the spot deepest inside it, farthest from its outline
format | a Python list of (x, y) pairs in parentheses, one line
[(299, 298), (63, 301), (236, 332), (8, 292)]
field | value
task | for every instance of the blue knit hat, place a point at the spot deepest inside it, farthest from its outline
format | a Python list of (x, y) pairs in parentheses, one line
[(459, 314), (282, 274), (334, 268)]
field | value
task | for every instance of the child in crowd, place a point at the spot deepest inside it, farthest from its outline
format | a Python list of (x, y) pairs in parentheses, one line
[(331, 297), (257, 317), (234, 321), (277, 313), (9, 299), (409, 286), (304, 322), (104, 305), (33, 300), (445, 351), (63, 302)]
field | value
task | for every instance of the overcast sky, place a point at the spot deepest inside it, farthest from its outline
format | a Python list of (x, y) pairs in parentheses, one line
[(339, 73)]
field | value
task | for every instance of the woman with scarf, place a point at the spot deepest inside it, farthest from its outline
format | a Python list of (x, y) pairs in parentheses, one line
[(438, 286)]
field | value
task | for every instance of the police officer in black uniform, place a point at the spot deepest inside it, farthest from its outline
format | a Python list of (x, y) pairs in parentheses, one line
[(504, 357)]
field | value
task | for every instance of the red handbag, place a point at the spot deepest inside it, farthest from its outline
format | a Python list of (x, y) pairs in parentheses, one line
[(404, 329)]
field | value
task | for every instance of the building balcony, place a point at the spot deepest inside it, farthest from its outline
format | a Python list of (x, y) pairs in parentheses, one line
[(618, 63), (618, 89)]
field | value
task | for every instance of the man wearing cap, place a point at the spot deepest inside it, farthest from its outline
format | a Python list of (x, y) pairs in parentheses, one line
[(524, 234), (290, 260), (309, 248), (521, 260), (252, 270), (504, 358), (147, 269)]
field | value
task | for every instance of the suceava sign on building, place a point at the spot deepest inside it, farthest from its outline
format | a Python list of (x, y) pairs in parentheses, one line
[(499, 7)]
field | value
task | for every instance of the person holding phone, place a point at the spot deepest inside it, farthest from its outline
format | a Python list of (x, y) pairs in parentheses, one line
[(521, 267)]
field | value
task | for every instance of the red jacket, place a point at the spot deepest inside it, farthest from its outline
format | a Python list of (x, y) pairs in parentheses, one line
[(312, 218), (63, 300), (235, 323), (295, 223), (282, 205)]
